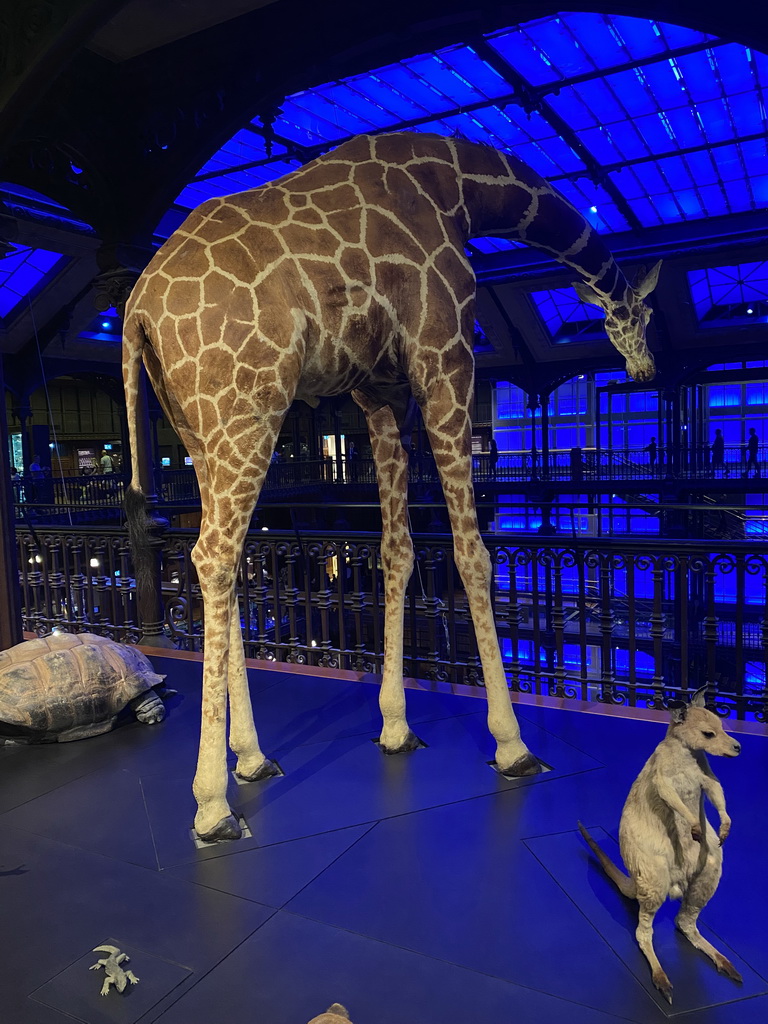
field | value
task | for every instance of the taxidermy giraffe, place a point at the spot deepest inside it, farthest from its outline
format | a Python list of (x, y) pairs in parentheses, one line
[(348, 275)]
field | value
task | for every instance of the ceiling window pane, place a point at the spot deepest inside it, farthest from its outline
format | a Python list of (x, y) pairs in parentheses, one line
[(21, 271)]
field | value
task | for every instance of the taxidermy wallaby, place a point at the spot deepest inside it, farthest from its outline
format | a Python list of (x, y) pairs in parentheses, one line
[(667, 845), (335, 1014)]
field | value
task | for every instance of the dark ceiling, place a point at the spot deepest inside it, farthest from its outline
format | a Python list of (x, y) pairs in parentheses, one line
[(109, 108)]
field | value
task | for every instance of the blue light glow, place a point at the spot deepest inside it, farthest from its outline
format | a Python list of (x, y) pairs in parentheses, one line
[(684, 111), (727, 295), (566, 318), (20, 272)]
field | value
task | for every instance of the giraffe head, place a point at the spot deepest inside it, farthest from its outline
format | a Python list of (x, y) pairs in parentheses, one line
[(626, 318)]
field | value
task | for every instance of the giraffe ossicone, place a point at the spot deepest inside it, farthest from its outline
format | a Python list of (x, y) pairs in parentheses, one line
[(348, 275)]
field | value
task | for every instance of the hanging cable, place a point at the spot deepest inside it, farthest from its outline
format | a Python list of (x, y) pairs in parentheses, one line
[(50, 411)]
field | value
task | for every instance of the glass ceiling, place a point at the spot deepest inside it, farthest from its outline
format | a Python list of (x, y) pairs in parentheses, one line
[(20, 272), (568, 319), (730, 295), (670, 121)]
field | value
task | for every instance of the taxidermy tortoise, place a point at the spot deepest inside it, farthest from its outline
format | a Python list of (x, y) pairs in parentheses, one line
[(71, 685)]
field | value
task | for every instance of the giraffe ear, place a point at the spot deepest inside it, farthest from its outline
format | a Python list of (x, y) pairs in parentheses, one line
[(587, 294), (644, 283)]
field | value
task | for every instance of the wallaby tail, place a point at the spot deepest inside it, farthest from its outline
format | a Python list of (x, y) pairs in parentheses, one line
[(623, 882), (135, 502)]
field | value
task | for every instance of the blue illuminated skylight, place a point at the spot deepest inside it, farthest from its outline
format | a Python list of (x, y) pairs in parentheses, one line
[(20, 272), (28, 203), (728, 295), (671, 121), (568, 319)]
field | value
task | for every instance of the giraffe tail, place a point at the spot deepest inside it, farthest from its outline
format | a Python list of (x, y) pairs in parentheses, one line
[(135, 502), (623, 883)]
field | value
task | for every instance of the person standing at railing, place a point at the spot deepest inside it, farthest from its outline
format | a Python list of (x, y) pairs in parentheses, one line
[(718, 454), (353, 455), (15, 482), (751, 453), (493, 457), (652, 448), (577, 465), (106, 463)]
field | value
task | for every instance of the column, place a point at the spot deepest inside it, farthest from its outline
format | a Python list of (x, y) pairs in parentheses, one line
[(10, 594), (544, 400)]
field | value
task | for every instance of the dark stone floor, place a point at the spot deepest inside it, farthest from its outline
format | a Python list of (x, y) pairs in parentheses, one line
[(414, 889)]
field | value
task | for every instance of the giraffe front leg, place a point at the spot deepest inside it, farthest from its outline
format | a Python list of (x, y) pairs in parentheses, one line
[(449, 426)]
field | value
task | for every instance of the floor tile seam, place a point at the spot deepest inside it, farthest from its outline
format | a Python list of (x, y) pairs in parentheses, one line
[(563, 832), (202, 975), (542, 778), (330, 864), (357, 735), (371, 822), (745, 999), (599, 934), (461, 967), (48, 792), (252, 849), (568, 743), (96, 853)]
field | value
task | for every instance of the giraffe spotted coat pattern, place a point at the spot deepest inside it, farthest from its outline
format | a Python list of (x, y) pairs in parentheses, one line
[(348, 275)]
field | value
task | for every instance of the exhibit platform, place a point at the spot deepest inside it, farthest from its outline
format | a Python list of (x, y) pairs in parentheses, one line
[(422, 888)]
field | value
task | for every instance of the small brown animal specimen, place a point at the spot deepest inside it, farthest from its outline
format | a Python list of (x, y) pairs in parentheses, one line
[(668, 846)]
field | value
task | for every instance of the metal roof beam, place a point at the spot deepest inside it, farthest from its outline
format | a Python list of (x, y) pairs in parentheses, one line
[(530, 99)]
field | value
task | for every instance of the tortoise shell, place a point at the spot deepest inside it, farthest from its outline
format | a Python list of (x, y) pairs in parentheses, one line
[(68, 686)]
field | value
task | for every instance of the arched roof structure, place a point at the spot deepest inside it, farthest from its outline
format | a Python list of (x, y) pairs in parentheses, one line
[(122, 116)]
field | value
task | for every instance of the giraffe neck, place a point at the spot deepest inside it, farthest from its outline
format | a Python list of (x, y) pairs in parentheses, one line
[(506, 198)]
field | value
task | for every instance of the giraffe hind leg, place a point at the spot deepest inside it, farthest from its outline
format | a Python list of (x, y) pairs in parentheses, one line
[(217, 555), (391, 462)]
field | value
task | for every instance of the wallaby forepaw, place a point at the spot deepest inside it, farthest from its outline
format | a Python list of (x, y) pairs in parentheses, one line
[(725, 831), (696, 833), (663, 984)]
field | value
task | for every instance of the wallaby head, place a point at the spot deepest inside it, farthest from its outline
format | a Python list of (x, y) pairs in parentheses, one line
[(699, 729)]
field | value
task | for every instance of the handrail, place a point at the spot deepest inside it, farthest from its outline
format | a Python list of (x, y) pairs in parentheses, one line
[(584, 465), (632, 620)]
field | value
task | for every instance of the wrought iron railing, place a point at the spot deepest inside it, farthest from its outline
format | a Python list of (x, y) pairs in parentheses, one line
[(577, 466), (617, 621)]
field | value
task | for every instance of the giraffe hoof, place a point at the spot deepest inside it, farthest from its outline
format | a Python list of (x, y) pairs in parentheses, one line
[(528, 764), (228, 828), (411, 742), (266, 770)]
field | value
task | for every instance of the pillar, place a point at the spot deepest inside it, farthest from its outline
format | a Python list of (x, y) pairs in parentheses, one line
[(544, 399), (10, 594)]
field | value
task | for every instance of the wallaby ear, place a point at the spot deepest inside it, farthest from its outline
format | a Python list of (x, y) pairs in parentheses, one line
[(678, 713), (699, 699), (587, 293), (645, 283)]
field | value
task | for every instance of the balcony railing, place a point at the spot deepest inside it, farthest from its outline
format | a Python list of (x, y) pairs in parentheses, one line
[(620, 622), (286, 479)]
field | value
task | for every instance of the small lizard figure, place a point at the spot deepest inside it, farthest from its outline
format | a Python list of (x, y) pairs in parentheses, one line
[(114, 973)]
